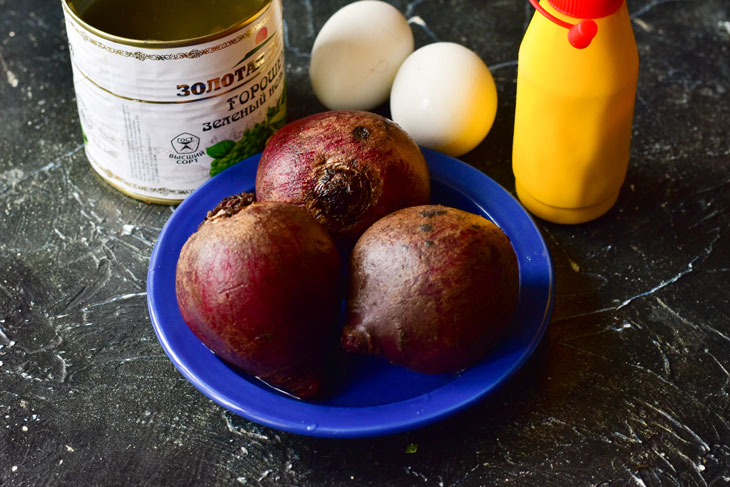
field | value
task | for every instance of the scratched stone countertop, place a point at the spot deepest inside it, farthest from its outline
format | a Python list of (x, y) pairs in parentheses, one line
[(628, 387)]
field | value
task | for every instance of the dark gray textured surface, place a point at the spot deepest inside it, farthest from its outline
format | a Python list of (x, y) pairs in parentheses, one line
[(629, 387)]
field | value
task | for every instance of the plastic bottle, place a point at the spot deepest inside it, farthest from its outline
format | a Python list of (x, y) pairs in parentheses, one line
[(574, 108)]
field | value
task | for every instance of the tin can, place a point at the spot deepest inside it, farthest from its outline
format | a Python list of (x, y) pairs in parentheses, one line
[(159, 118)]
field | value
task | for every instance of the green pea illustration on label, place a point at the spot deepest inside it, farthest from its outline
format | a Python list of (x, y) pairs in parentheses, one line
[(227, 153)]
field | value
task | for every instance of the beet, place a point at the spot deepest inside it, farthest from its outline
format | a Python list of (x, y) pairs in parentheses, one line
[(431, 288), (259, 285), (347, 168)]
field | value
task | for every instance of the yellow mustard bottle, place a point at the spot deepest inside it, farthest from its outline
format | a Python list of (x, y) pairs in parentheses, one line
[(574, 108)]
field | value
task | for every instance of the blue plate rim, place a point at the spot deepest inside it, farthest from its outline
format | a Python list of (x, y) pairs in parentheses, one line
[(300, 417)]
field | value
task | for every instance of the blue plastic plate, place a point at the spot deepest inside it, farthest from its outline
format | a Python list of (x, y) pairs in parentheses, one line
[(374, 397)]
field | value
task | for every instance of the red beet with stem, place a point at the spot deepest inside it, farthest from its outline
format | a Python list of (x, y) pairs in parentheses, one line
[(259, 285), (347, 168), (431, 288)]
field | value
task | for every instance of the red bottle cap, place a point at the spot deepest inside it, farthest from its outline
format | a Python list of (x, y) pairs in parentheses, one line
[(586, 9), (581, 34)]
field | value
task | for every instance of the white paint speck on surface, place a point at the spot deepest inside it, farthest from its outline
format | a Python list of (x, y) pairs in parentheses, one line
[(12, 79), (643, 25), (417, 20)]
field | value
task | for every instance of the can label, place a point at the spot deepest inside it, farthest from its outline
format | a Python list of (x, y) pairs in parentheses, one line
[(158, 122)]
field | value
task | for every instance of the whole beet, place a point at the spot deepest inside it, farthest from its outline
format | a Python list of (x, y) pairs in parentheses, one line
[(431, 288), (258, 284), (347, 168)]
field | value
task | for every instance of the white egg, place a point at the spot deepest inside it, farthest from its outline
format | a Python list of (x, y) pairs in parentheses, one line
[(357, 53), (444, 96)]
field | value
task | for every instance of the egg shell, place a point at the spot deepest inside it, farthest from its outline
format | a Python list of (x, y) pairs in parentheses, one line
[(357, 53), (444, 96)]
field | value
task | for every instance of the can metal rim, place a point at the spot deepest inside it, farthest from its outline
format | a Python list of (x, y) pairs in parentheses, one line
[(140, 197), (115, 182), (152, 44)]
